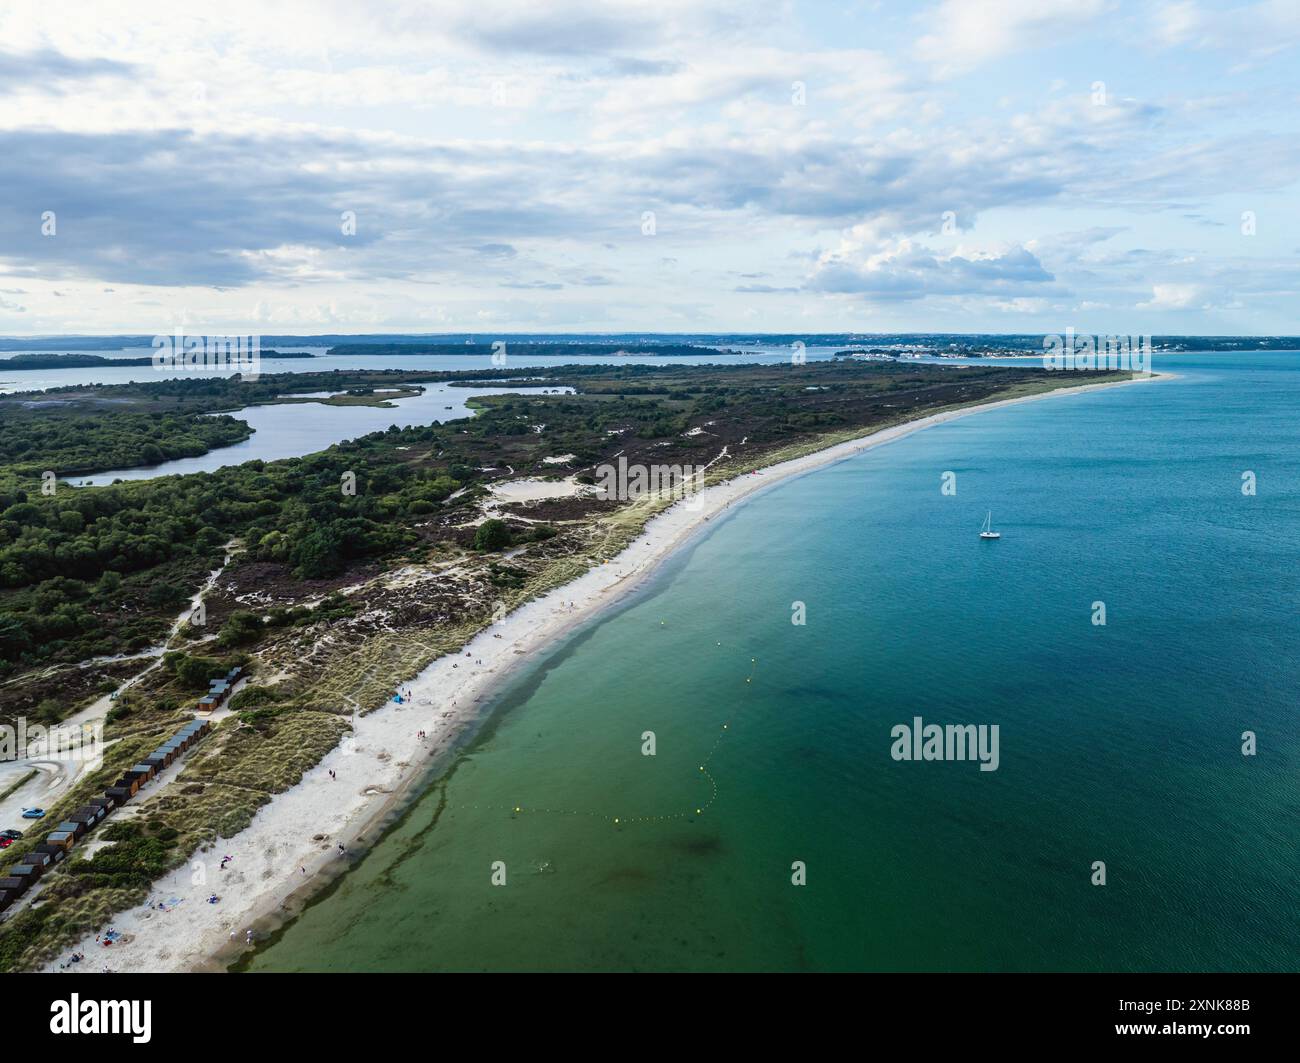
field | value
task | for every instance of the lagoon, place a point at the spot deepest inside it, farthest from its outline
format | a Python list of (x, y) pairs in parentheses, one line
[(290, 430)]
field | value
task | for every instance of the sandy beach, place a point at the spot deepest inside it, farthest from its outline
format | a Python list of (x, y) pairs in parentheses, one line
[(292, 846)]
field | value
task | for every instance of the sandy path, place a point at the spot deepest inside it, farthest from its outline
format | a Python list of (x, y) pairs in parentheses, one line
[(276, 856)]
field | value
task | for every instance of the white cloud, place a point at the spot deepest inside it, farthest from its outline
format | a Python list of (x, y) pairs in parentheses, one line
[(964, 34)]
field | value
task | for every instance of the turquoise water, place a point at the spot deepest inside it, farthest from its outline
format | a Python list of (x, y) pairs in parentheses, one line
[(1118, 743)]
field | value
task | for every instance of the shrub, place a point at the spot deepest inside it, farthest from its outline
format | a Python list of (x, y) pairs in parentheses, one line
[(492, 535)]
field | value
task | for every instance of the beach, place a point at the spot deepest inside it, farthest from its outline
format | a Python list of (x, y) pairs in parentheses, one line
[(292, 847)]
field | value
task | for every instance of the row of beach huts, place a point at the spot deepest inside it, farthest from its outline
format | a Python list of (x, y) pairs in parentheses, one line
[(19, 878), (220, 690)]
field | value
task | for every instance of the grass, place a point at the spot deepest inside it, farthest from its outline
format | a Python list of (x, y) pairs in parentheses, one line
[(19, 784)]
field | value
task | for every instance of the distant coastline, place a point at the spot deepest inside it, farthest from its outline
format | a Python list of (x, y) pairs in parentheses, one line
[(23, 362)]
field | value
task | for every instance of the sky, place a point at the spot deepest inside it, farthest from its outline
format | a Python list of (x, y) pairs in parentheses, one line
[(279, 166)]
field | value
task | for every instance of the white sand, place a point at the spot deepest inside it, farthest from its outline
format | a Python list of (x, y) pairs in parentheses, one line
[(533, 490), (386, 754)]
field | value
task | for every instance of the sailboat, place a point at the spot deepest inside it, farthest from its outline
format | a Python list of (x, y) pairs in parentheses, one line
[(986, 530)]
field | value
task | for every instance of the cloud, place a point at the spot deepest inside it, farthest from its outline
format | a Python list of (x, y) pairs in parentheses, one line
[(904, 270), (499, 158), (1174, 297), (969, 33), (1259, 29), (51, 69)]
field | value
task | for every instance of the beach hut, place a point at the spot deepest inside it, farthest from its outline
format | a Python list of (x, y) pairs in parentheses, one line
[(86, 819), (54, 852), (73, 827), (7, 897), (106, 803), (127, 783), (207, 704), (14, 886), (30, 872), (219, 689), (234, 674), (95, 811), (120, 794), (62, 838), (144, 771), (159, 759), (38, 859)]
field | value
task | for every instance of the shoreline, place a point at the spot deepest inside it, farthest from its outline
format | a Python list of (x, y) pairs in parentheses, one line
[(290, 851)]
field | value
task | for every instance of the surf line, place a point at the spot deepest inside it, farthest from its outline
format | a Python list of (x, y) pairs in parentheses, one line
[(619, 821)]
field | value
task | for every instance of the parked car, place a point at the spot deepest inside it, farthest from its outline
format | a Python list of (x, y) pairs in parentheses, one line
[(12, 835), (33, 813), (6, 842)]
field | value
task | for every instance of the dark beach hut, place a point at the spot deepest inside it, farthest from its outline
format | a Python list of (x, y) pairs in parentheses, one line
[(106, 803), (64, 839), (120, 794), (87, 819), (7, 897), (38, 859), (73, 827), (14, 886), (234, 674), (144, 771), (54, 852), (96, 811), (127, 783), (159, 758), (31, 872)]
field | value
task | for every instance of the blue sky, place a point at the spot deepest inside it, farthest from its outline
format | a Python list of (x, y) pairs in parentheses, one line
[(997, 166)]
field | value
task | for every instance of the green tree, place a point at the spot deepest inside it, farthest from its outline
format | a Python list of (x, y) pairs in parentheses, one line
[(492, 535)]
